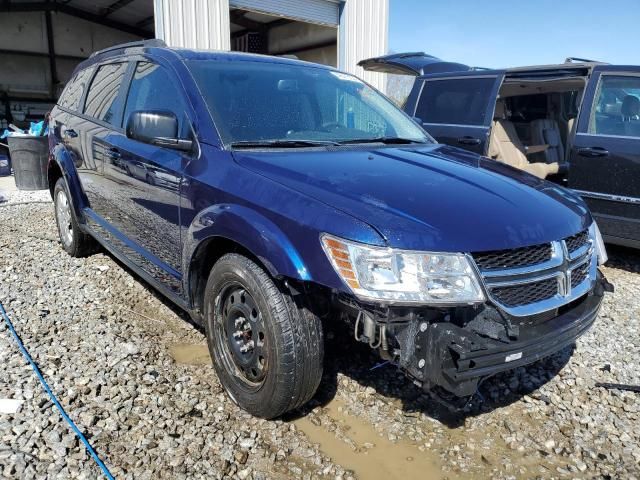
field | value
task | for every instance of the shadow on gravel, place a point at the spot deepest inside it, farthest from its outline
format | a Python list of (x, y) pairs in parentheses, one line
[(152, 290), (342, 355), (623, 258)]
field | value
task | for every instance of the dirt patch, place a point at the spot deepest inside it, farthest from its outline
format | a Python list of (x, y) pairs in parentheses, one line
[(355, 444), (190, 354)]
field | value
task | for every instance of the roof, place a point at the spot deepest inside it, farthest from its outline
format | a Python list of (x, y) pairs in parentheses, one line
[(539, 71), (192, 54), (557, 66), (144, 46)]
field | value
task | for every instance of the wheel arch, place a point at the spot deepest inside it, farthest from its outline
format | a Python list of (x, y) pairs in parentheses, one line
[(223, 229), (208, 252), (61, 166)]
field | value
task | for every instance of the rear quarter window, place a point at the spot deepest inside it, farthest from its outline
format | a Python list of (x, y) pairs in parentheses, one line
[(461, 101), (73, 92)]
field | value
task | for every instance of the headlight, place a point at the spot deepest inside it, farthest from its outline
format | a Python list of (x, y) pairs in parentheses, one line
[(598, 243), (378, 273)]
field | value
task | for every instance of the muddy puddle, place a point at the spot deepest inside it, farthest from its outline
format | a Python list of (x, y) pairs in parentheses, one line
[(190, 354), (374, 456)]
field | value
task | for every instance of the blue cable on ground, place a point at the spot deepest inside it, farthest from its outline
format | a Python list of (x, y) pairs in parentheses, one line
[(44, 383)]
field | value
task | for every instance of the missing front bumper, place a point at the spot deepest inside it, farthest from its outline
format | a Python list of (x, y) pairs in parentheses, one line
[(456, 358)]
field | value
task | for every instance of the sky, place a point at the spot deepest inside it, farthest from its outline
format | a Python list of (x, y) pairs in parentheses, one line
[(501, 33)]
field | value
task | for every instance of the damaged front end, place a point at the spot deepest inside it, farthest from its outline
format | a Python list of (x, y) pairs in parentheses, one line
[(536, 300), (456, 348)]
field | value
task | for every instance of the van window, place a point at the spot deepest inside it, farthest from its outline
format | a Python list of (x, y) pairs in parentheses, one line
[(102, 97), (153, 89), (72, 94), (461, 101), (616, 107)]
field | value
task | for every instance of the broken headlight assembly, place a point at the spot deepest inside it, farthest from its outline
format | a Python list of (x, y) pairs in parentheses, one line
[(404, 277)]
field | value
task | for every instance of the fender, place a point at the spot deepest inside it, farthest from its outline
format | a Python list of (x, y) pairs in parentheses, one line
[(252, 231), (64, 159)]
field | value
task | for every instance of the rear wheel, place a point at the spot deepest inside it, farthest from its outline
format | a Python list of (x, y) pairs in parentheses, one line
[(267, 348), (75, 242)]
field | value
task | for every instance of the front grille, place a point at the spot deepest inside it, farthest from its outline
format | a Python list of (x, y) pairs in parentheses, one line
[(579, 275), (516, 295), (520, 280), (515, 258), (576, 241)]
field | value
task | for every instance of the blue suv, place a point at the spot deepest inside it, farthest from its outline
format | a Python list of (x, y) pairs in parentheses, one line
[(267, 196)]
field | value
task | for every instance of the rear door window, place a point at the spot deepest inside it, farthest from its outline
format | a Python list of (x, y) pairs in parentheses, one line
[(458, 101), (153, 89), (616, 107), (73, 92), (102, 99)]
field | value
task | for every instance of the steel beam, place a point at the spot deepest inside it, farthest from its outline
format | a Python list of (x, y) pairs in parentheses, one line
[(53, 68), (114, 7), (25, 53), (74, 12)]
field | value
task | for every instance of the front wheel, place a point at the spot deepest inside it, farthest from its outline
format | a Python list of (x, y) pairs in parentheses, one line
[(267, 348)]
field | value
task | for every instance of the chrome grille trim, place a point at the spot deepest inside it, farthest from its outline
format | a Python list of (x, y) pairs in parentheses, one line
[(560, 266)]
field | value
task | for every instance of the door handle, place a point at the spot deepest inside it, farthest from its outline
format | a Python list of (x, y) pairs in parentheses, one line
[(71, 133), (467, 140), (593, 152), (114, 153)]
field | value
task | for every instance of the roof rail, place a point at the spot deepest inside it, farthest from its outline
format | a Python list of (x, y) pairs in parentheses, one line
[(154, 42), (580, 60)]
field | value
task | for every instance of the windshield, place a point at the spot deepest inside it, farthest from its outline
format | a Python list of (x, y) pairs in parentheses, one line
[(259, 102)]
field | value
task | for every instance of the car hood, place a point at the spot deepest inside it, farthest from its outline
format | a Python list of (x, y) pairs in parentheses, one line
[(431, 197)]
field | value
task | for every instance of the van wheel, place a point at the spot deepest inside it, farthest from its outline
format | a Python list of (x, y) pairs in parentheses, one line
[(267, 348), (75, 242)]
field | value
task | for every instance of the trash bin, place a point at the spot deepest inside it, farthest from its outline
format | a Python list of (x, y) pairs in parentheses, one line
[(5, 166), (29, 159)]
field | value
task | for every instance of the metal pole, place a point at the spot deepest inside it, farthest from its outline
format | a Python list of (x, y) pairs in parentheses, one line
[(52, 53)]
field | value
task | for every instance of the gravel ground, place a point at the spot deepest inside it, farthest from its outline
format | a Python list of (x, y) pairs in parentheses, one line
[(116, 356)]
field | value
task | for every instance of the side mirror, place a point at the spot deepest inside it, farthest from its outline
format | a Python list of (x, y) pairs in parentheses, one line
[(158, 128)]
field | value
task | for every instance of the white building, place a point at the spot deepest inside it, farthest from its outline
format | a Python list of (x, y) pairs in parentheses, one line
[(42, 42), (334, 32)]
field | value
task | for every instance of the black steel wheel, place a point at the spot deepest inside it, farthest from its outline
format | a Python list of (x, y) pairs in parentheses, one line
[(267, 347), (241, 333)]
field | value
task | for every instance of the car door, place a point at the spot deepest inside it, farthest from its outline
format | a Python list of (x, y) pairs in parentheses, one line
[(457, 110), (605, 155), (75, 130), (94, 129), (144, 179)]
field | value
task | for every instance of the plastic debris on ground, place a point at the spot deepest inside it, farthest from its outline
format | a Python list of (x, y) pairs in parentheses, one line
[(8, 405), (36, 129)]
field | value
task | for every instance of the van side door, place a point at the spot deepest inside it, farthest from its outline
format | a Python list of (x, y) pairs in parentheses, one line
[(457, 110), (605, 155)]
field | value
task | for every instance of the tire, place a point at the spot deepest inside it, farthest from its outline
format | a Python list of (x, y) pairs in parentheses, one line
[(282, 369), (74, 241)]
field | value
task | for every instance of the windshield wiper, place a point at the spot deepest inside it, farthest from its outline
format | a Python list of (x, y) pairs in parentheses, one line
[(282, 143), (385, 140)]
